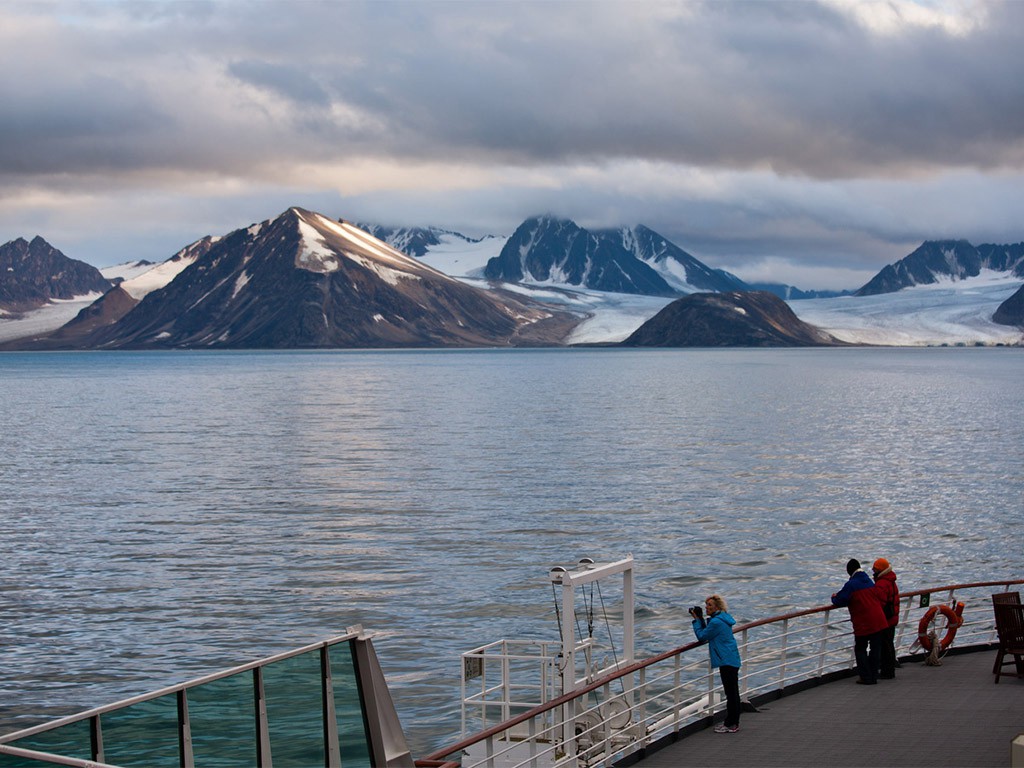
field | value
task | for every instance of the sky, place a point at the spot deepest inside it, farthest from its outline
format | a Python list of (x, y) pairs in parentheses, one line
[(809, 143)]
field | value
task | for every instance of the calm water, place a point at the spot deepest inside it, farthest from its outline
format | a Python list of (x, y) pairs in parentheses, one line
[(166, 515)]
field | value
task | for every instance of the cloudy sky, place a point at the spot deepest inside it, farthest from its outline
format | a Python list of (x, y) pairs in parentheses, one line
[(805, 142)]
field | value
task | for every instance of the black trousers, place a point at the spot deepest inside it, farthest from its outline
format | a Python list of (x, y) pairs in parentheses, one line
[(867, 649), (731, 686), (887, 663)]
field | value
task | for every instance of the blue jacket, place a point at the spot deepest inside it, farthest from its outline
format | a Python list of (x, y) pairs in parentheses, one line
[(717, 633), (865, 604)]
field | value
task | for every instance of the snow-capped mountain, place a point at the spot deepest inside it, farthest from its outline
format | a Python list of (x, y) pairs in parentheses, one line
[(461, 256), (554, 251), (35, 273), (453, 253), (240, 291), (935, 260), (305, 280), (140, 285), (680, 270), (136, 281)]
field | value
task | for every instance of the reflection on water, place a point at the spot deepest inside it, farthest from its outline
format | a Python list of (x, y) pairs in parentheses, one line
[(169, 514)]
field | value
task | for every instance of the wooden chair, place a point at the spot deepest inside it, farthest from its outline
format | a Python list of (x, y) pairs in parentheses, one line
[(1006, 597), (1010, 627)]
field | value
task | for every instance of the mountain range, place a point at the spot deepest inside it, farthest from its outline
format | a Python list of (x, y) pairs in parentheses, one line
[(937, 259), (306, 280), (302, 280)]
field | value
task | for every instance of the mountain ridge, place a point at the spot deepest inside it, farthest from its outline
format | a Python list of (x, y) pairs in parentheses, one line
[(937, 259), (35, 273), (464, 259), (303, 280)]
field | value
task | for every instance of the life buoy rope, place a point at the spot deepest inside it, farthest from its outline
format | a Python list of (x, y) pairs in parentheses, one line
[(954, 618)]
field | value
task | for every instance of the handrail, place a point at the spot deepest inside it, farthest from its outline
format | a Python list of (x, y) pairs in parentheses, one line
[(439, 757), (106, 708)]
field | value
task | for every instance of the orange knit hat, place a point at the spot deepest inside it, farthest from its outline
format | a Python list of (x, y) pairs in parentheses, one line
[(880, 564)]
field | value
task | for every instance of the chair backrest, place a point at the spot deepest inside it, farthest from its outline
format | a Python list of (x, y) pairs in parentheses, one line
[(1013, 598), (1010, 624)]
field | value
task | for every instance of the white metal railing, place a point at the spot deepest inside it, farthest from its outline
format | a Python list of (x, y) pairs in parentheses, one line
[(628, 710)]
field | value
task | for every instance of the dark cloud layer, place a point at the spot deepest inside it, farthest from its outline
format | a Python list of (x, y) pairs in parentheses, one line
[(781, 123)]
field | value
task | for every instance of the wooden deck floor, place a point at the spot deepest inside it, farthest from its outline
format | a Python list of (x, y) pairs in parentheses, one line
[(950, 715)]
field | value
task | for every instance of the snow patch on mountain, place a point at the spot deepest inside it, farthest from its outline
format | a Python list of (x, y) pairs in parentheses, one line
[(459, 256), (314, 254), (126, 271), (156, 277)]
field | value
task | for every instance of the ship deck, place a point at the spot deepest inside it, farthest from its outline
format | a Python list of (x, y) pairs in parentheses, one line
[(949, 715)]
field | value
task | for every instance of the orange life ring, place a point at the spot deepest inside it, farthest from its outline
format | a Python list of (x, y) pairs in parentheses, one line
[(954, 618)]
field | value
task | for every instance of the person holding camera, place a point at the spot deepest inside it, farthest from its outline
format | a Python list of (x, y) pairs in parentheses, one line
[(716, 631)]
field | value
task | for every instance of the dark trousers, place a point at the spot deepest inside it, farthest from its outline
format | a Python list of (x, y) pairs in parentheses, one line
[(867, 649), (887, 663), (731, 686)]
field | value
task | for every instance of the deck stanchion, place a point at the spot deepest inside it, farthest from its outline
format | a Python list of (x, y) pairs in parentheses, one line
[(785, 643), (263, 758), (332, 750), (96, 738), (711, 689), (185, 757), (744, 655), (823, 647), (901, 626)]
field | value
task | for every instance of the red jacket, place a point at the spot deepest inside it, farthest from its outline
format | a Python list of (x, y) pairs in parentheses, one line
[(888, 595), (865, 607)]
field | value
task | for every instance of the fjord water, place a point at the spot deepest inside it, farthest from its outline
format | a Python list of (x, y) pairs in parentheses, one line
[(166, 515)]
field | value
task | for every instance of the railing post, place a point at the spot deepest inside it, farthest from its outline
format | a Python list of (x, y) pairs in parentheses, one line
[(743, 655), (532, 730), (185, 757), (263, 757), (641, 711), (677, 692), (489, 750), (711, 688), (822, 649), (506, 688), (785, 656), (901, 626), (332, 751), (96, 739)]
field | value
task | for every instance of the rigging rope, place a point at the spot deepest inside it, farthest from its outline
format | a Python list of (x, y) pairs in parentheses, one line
[(611, 640)]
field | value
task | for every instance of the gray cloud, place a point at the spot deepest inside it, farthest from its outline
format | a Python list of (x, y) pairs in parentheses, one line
[(751, 129), (284, 80)]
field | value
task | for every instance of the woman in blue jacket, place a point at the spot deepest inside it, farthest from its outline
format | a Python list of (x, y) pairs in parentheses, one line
[(716, 631)]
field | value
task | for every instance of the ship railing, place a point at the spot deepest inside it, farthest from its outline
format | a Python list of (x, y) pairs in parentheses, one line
[(663, 696), (323, 704)]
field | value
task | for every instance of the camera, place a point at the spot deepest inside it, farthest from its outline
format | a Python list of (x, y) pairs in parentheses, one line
[(696, 611)]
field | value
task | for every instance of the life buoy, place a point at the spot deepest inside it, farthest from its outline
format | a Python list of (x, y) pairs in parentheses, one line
[(954, 618)]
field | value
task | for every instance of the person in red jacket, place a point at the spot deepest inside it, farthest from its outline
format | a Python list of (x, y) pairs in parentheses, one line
[(889, 596), (859, 595)]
